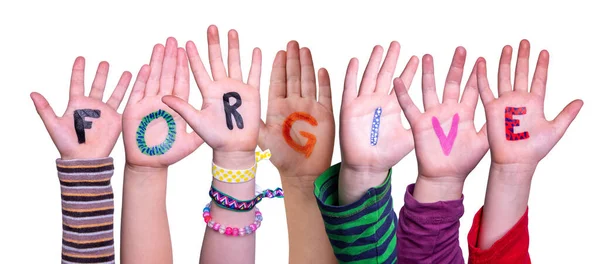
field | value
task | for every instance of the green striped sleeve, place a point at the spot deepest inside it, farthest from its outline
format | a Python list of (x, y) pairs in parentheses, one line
[(361, 232)]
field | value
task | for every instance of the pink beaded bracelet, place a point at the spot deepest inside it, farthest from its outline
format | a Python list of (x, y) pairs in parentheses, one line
[(232, 231)]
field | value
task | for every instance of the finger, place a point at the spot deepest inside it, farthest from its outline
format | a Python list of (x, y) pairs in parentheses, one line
[(349, 92), (386, 73), (77, 75), (182, 76), (214, 54), (137, 93), (408, 74), (117, 95), (278, 80), (198, 70), (308, 82), (504, 83), (540, 76), (369, 79), (255, 69), (293, 69), (483, 132), (410, 109), (183, 108), (99, 82), (454, 77), (430, 98), (44, 109), (233, 56), (566, 116), (522, 70), (169, 67), (471, 92), (156, 62), (482, 83), (325, 89)]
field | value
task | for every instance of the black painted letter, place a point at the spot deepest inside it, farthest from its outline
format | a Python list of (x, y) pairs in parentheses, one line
[(79, 116), (230, 110)]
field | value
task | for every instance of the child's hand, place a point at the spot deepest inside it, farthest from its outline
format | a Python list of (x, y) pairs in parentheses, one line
[(447, 145), (89, 128), (299, 129), (372, 141), (154, 134), (518, 131), (230, 115)]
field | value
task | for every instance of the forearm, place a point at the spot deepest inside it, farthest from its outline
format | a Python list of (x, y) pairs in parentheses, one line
[(308, 241), (87, 209), (505, 201), (354, 182), (145, 236), (217, 247)]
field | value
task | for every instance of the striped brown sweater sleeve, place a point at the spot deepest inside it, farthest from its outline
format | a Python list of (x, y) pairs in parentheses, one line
[(87, 210)]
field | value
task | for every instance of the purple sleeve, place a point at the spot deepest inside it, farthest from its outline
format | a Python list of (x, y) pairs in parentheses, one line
[(428, 232)]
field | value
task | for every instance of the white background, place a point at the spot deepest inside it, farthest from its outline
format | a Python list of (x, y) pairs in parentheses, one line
[(40, 40)]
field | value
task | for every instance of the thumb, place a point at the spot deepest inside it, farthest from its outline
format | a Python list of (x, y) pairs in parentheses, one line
[(183, 108), (566, 116), (262, 135), (43, 109)]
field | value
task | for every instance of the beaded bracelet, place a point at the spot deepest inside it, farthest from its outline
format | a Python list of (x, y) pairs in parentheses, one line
[(232, 231), (239, 176), (227, 202)]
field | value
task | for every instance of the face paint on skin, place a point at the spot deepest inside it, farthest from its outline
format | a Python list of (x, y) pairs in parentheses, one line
[(446, 141), (287, 127), (375, 126), (162, 148), (510, 123), (80, 124), (230, 110)]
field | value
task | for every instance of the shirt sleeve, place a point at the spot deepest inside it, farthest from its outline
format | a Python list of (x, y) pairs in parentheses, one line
[(512, 248), (428, 232), (87, 210), (361, 232)]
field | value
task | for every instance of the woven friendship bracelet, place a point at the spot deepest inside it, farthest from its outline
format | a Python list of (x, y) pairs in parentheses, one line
[(239, 176), (227, 202), (232, 231)]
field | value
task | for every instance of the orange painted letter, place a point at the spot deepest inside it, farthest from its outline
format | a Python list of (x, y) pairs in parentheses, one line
[(312, 139)]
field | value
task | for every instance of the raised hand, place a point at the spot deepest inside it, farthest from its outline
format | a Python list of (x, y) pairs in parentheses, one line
[(230, 114), (447, 145), (154, 134), (89, 128), (518, 131), (300, 129), (372, 137)]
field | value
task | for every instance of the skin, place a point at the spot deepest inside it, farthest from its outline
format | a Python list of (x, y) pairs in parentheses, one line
[(293, 89), (102, 137), (442, 177), (514, 162), (232, 149), (365, 166), (145, 236)]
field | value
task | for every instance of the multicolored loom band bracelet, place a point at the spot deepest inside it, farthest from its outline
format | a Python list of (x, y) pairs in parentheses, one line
[(239, 176), (232, 231), (227, 202)]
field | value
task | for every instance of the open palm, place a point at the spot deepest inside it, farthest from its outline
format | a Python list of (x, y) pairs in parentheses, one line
[(105, 124), (163, 131), (293, 90), (210, 122), (357, 113), (459, 148), (534, 135)]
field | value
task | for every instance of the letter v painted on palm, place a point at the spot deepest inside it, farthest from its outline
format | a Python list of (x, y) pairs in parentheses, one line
[(446, 141)]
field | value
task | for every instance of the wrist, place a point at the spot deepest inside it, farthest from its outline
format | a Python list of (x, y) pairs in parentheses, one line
[(513, 174), (355, 181), (145, 177), (234, 160), (430, 190)]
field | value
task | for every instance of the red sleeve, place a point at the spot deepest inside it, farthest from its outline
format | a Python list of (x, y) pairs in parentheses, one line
[(512, 248)]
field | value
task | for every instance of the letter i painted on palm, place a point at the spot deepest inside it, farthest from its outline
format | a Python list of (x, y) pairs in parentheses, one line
[(446, 141), (375, 126)]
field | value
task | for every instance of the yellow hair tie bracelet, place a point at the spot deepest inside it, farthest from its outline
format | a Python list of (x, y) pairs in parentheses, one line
[(239, 176)]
